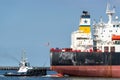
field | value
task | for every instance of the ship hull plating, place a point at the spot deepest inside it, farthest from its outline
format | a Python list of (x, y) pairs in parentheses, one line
[(94, 64), (89, 71)]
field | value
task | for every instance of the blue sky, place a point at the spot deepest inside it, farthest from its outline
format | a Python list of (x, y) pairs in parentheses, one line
[(31, 24)]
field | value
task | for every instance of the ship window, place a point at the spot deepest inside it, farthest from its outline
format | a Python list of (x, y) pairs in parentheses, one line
[(113, 25), (117, 42), (79, 38), (95, 49), (112, 49), (117, 25), (106, 49), (110, 31)]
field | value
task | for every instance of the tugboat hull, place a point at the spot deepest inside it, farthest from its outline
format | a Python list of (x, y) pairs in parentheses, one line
[(32, 72)]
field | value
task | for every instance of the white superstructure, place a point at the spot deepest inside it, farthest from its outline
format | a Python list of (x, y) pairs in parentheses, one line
[(106, 36), (24, 65), (82, 38)]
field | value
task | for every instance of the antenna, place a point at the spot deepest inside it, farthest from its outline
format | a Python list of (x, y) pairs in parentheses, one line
[(23, 55), (101, 19)]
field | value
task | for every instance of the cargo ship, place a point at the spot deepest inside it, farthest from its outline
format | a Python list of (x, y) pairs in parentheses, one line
[(94, 51)]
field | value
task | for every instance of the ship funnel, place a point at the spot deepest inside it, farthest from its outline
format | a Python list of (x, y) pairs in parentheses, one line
[(84, 24), (85, 12)]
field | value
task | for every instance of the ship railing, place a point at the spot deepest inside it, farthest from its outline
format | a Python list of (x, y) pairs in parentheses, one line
[(72, 50), (63, 50)]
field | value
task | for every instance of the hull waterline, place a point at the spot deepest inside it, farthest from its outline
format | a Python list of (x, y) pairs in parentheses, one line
[(89, 71)]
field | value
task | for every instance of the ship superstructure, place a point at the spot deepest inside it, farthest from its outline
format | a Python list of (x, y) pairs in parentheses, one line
[(24, 64), (107, 35), (82, 38), (97, 54)]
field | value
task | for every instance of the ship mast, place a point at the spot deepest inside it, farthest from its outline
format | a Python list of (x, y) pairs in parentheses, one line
[(24, 65), (110, 13), (24, 61), (23, 58)]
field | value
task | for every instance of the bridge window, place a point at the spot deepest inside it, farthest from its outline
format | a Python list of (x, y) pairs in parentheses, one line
[(79, 38), (117, 25), (110, 31), (117, 42)]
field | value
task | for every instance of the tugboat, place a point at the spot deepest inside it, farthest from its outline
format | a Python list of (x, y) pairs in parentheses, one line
[(91, 55), (26, 70)]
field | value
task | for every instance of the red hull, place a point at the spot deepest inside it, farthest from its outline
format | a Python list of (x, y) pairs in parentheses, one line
[(89, 71)]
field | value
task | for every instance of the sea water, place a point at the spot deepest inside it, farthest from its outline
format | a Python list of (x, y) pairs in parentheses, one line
[(2, 77)]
